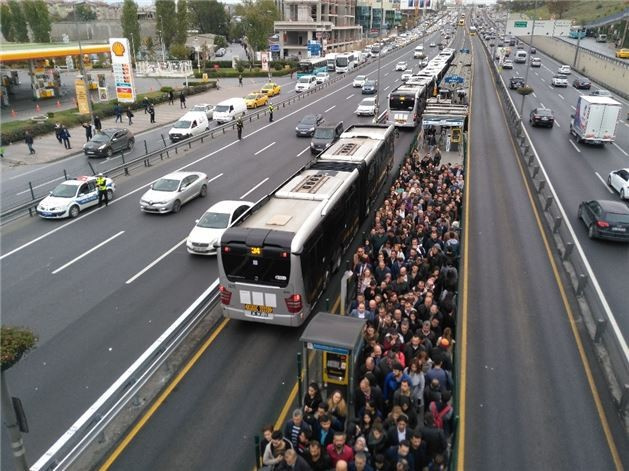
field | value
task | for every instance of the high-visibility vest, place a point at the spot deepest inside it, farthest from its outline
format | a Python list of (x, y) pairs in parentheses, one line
[(101, 183)]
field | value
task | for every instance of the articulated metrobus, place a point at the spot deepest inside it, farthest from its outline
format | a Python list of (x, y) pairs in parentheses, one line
[(312, 66), (345, 62), (275, 263), (407, 103)]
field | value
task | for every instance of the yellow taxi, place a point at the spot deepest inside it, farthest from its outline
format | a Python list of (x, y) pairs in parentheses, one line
[(271, 89), (253, 100), (622, 53)]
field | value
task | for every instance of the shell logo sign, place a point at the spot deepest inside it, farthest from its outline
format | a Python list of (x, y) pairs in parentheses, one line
[(118, 49), (123, 70)]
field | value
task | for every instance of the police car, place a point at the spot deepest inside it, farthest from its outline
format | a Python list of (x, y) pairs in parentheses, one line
[(71, 197)]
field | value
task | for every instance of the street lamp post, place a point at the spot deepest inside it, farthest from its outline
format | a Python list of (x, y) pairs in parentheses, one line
[(528, 65), (379, 54), (81, 65), (161, 38)]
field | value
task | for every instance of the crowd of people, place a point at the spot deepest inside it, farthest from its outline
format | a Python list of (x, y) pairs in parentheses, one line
[(406, 275)]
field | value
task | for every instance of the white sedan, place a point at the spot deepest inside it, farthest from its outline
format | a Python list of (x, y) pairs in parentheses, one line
[(71, 197), (206, 234), (507, 64), (171, 192), (619, 181), (322, 77), (359, 81), (406, 75), (367, 107), (401, 66), (564, 70), (559, 81)]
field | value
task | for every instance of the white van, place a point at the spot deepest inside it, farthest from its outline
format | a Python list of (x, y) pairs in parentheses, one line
[(520, 57), (230, 110), (190, 124), (305, 82), (418, 53)]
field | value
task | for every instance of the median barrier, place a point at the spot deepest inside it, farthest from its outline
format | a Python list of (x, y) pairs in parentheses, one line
[(608, 342)]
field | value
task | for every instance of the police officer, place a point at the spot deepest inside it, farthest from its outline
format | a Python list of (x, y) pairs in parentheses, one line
[(270, 112), (239, 125), (101, 184)]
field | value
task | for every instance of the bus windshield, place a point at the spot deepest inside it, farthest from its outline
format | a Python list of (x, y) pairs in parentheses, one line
[(342, 61), (270, 268), (306, 67), (401, 103)]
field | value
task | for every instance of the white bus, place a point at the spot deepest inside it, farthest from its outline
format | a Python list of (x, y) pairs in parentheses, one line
[(407, 103), (345, 62), (276, 261)]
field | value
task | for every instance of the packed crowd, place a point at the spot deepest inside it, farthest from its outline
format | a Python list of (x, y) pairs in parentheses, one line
[(406, 274)]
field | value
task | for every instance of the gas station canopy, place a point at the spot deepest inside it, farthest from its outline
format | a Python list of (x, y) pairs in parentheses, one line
[(12, 52)]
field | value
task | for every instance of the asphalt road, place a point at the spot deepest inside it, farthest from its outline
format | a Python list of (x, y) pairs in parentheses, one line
[(528, 401), (96, 315)]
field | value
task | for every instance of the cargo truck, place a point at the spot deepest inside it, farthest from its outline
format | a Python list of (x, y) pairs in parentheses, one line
[(594, 120)]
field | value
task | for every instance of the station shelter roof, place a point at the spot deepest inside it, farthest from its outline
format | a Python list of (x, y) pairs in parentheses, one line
[(14, 52)]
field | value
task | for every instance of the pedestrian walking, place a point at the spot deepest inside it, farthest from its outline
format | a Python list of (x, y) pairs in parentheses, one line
[(28, 138), (240, 80), (118, 112), (152, 113), (65, 135), (171, 97), (1, 152), (239, 126), (182, 100), (97, 124), (271, 112), (88, 131), (58, 132), (146, 103), (130, 115), (101, 184)]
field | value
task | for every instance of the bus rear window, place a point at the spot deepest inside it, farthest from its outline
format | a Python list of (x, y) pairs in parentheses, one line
[(401, 103), (271, 268)]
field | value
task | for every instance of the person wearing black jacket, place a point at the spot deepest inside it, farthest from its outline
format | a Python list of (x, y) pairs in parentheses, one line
[(434, 437), (317, 459), (368, 392)]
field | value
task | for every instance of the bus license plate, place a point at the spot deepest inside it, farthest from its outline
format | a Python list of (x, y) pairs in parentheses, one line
[(257, 308)]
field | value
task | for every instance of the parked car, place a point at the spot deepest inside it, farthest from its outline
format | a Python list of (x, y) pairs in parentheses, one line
[(322, 77), (271, 89), (190, 124), (367, 107), (206, 234), (516, 82), (619, 181), (307, 124), (254, 100), (402, 65), (72, 196), (108, 141), (542, 117), (581, 83), (605, 219), (559, 80), (230, 110), (205, 107), (220, 52), (324, 137), (564, 70), (359, 81), (370, 87), (171, 192), (536, 62)]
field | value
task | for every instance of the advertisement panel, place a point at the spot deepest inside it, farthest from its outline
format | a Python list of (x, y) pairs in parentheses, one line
[(415, 4), (81, 96), (264, 58), (123, 72)]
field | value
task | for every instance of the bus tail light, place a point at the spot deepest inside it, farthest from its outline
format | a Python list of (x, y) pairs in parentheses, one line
[(294, 304), (226, 295)]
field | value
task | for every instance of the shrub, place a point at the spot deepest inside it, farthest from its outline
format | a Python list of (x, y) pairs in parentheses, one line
[(166, 89), (15, 342)]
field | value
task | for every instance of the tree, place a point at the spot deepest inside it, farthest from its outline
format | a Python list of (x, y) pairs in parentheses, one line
[(166, 13), (130, 24), (84, 12), (257, 20), (6, 23), (149, 45), (179, 51), (19, 21), (220, 41), (182, 22), (38, 18), (209, 16), (558, 7)]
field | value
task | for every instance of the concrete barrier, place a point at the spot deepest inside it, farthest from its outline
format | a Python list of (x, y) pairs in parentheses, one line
[(608, 72)]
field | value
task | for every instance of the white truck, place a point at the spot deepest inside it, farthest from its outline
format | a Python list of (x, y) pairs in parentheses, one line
[(594, 120)]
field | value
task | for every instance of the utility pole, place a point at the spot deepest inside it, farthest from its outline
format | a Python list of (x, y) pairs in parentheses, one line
[(11, 423), (576, 51), (379, 54), (528, 63)]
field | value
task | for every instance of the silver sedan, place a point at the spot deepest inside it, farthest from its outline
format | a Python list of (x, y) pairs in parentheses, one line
[(172, 191)]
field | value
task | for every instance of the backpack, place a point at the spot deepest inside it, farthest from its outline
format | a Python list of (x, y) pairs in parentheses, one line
[(439, 415)]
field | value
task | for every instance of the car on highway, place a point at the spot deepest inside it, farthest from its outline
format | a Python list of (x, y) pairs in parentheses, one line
[(206, 108), (581, 83), (271, 89), (423, 63), (507, 64), (72, 196), (622, 53), (172, 191), (542, 117), (619, 181), (605, 219), (367, 107), (559, 80), (516, 82), (532, 50), (305, 83), (402, 65), (359, 81), (325, 136), (307, 124), (322, 77), (601, 92), (406, 75), (206, 234), (564, 70), (107, 142), (254, 100), (370, 87), (432, 45)]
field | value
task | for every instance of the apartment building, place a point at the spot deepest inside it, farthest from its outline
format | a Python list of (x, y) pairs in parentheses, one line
[(369, 15), (332, 22)]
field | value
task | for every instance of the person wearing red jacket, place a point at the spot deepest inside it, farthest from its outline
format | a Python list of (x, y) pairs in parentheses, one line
[(338, 450)]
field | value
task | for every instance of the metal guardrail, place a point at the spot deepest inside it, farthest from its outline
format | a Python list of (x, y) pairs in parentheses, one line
[(600, 322)]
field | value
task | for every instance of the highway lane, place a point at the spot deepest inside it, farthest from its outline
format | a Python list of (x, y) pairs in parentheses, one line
[(81, 311), (527, 394)]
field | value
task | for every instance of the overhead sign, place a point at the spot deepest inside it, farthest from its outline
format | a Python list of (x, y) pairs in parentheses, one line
[(520, 24), (454, 79), (123, 71), (542, 28)]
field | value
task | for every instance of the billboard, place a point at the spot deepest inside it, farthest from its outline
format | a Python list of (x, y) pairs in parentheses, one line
[(123, 72), (414, 4)]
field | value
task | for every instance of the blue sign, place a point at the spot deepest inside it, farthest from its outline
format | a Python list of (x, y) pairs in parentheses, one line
[(314, 48), (454, 79), (327, 348), (275, 48)]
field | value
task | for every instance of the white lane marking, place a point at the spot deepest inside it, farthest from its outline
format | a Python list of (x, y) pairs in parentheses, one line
[(330, 108), (300, 154), (537, 74), (40, 185), (387, 74), (194, 162), (534, 95), (542, 104), (347, 98), (574, 145), (254, 188), (604, 183), (560, 96), (557, 123), (154, 262), (543, 80), (573, 107), (84, 254), (550, 87), (265, 148), (620, 149), (215, 178), (386, 88), (25, 173)]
